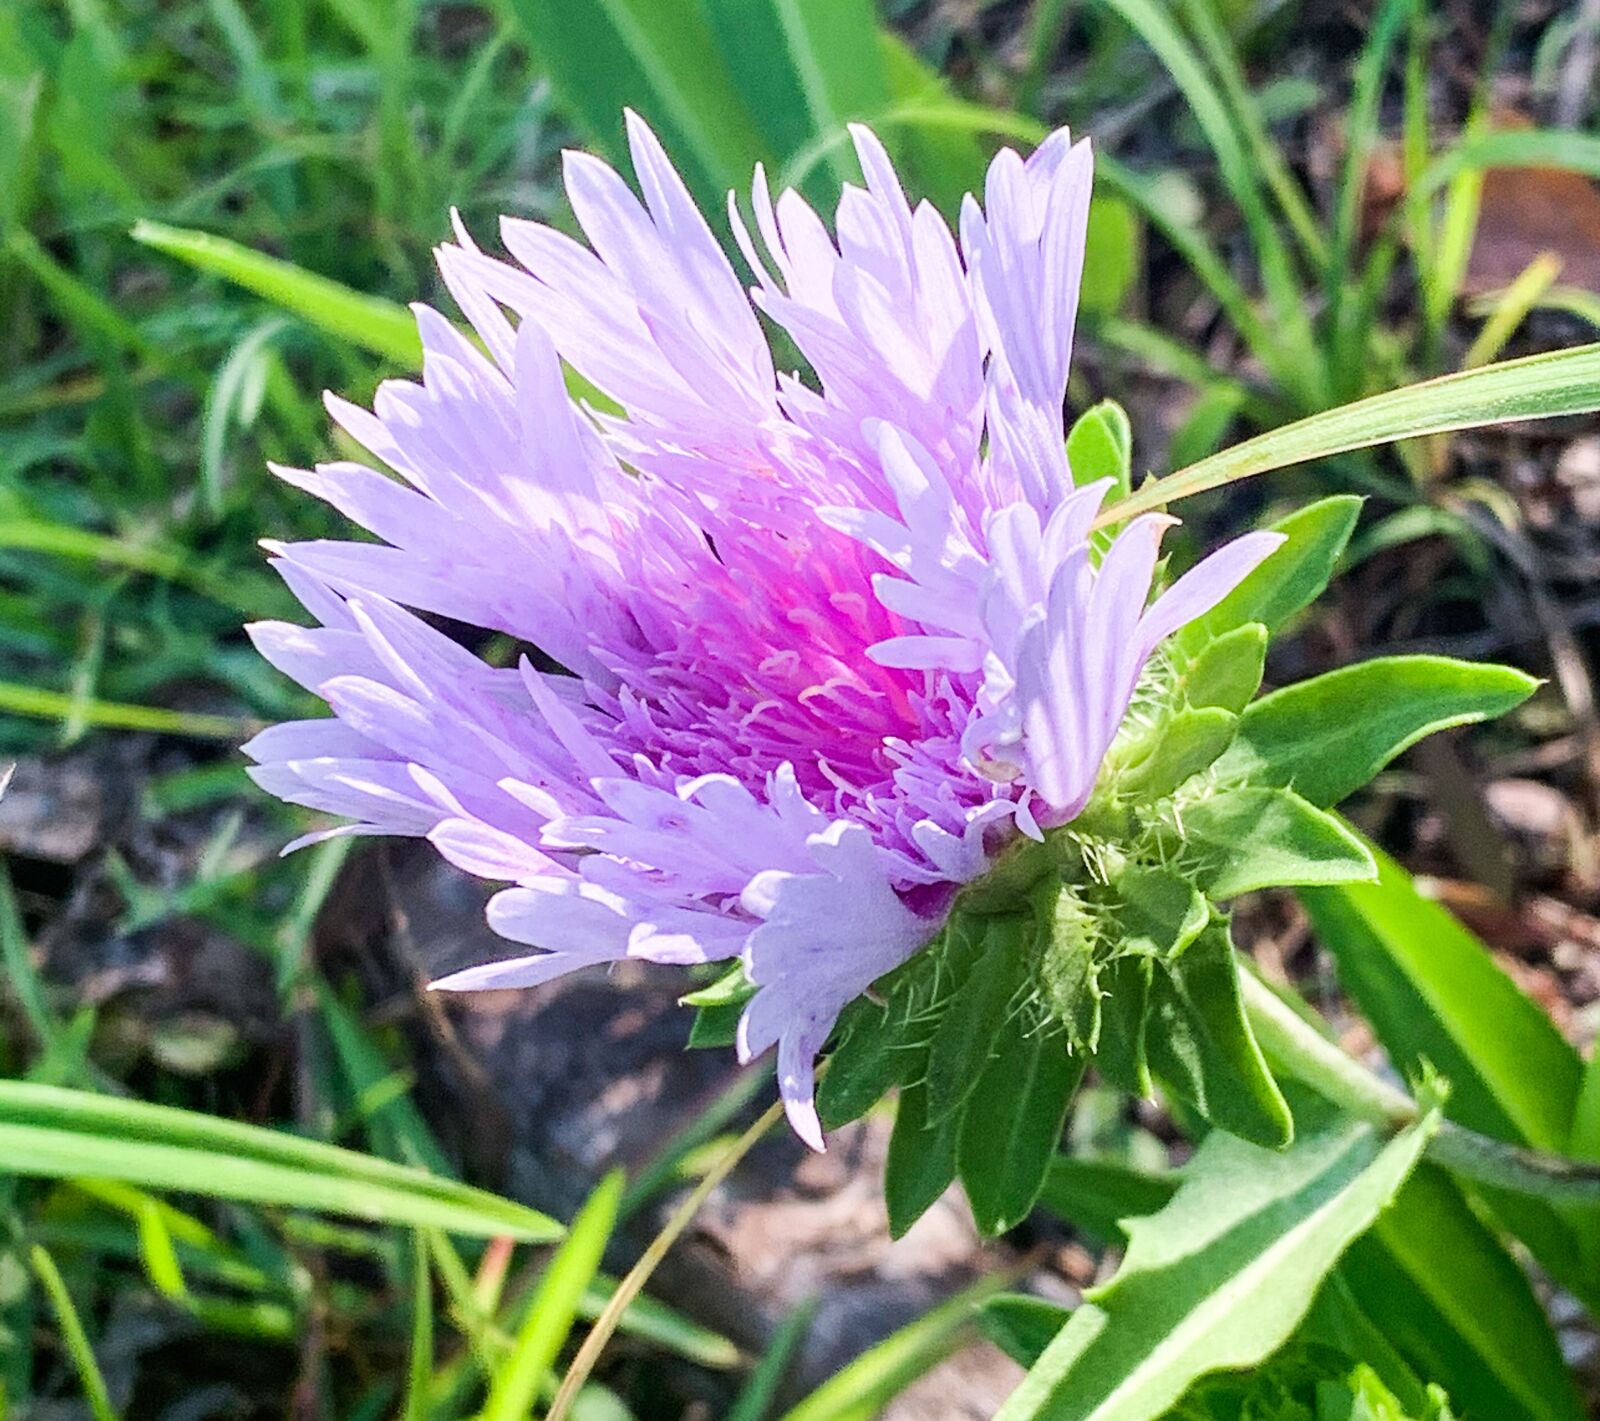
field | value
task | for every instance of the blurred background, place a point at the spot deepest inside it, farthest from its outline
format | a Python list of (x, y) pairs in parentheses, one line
[(212, 210)]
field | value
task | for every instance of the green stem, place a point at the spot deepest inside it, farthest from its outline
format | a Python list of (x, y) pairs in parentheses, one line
[(1297, 1048)]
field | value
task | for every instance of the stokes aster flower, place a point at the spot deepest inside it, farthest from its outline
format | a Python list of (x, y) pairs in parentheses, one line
[(804, 658)]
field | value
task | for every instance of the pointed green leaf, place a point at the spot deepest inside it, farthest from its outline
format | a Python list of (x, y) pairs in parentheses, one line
[(1181, 747), (863, 1388), (1221, 1277), (1013, 1121), (1328, 736), (1433, 992), (718, 1007), (1227, 671), (1096, 1195), (1201, 1047), (922, 1160), (1021, 1325), (1422, 1276), (553, 1306), (1100, 446), (1242, 840), (873, 1056), (1124, 1003), (1291, 579), (1156, 913), (976, 1016)]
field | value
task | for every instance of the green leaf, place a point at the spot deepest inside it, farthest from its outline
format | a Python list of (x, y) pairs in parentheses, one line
[(755, 1397), (1227, 672), (1157, 913), (1437, 1000), (1177, 749), (1124, 1004), (977, 1014), (1067, 964), (1012, 1124), (53, 1133), (1515, 148), (831, 48), (1238, 841), (1535, 387), (1328, 736), (1222, 1275), (1433, 993), (1291, 579), (1583, 1143), (76, 1340), (1337, 1320), (874, 1055), (715, 1027), (1100, 446), (1422, 1277), (553, 1306), (661, 58), (652, 1321), (1022, 1326), (947, 161), (1200, 1044), (383, 327), (718, 1008), (1096, 1195), (922, 1160)]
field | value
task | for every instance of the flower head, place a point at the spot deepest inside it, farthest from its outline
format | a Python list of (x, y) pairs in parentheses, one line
[(802, 657)]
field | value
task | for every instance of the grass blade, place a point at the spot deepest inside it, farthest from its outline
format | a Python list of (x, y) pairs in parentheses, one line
[(54, 1133), (382, 327), (861, 1390), (755, 1397), (1292, 349), (1536, 387), (58, 705), (419, 1370), (74, 1337), (1510, 309), (633, 1283), (661, 58), (554, 1305)]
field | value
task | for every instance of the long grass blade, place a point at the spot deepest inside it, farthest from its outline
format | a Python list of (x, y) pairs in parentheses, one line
[(41, 704), (382, 327), (1536, 387), (73, 1336), (55, 1133), (554, 1305)]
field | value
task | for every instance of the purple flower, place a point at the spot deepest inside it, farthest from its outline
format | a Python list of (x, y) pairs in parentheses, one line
[(808, 656)]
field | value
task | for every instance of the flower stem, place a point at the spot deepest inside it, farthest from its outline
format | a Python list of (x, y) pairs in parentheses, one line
[(1297, 1048)]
